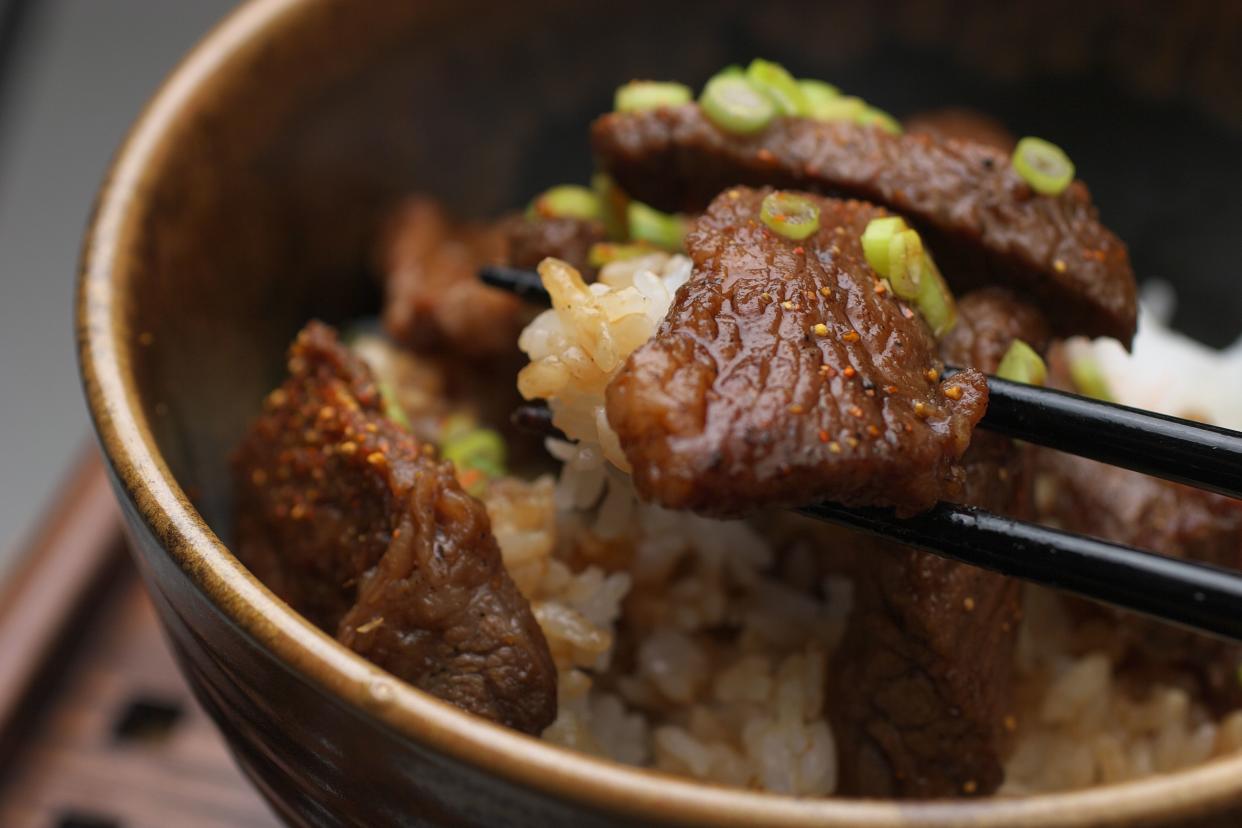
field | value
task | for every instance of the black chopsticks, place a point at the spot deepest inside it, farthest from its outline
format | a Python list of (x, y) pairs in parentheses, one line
[(1196, 595), (1203, 597), (1199, 455)]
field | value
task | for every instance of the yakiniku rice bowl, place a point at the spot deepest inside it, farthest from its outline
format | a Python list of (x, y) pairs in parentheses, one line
[(703, 647)]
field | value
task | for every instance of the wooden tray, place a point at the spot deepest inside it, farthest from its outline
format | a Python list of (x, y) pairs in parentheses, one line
[(97, 729)]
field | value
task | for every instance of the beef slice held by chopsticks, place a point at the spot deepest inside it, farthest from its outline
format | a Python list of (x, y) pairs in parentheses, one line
[(785, 372)]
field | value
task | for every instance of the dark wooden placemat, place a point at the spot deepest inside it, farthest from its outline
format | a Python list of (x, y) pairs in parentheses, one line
[(97, 728)]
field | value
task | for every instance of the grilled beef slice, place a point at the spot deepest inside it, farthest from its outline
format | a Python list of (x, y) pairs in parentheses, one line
[(433, 299), (985, 223), (342, 514), (784, 373), (922, 684)]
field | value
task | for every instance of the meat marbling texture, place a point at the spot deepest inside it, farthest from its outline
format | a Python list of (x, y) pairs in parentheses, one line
[(922, 684), (344, 516), (738, 402), (984, 222)]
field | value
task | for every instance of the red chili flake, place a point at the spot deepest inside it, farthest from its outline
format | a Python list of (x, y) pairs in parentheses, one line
[(850, 336), (855, 411), (890, 389), (870, 392), (873, 430), (799, 250), (849, 371), (881, 288), (823, 436), (827, 371)]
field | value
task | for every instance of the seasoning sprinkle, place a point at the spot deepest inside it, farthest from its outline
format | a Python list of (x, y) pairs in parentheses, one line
[(969, 786), (920, 410), (796, 408), (953, 392), (932, 375), (820, 329), (823, 436), (873, 430), (799, 250), (849, 371), (890, 389), (766, 296), (855, 411), (376, 458), (850, 336), (968, 603), (1059, 265), (347, 448), (852, 441), (834, 447), (787, 305), (825, 291)]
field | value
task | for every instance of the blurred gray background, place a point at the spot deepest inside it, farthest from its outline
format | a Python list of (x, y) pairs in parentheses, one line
[(73, 75)]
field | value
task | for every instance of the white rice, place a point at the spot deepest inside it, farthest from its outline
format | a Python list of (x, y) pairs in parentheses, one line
[(703, 647)]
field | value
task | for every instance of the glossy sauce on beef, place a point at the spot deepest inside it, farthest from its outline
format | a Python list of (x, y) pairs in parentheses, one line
[(983, 221), (785, 373), (346, 517)]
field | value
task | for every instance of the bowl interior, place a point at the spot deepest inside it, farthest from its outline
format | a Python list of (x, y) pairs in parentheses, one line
[(266, 214)]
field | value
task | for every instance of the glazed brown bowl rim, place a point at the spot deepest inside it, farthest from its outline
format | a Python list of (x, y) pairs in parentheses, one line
[(162, 505)]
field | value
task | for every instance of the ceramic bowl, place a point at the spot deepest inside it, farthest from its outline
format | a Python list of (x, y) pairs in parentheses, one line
[(246, 199)]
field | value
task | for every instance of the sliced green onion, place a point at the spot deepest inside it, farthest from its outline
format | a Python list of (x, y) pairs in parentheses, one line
[(878, 117), (935, 300), (1089, 379), (782, 89), (481, 449), (875, 241), (816, 92), (602, 253), (793, 216), (1021, 364), (1043, 165), (735, 105), (840, 108), (907, 261), (392, 408), (636, 96), (565, 201), (650, 225), (612, 204)]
